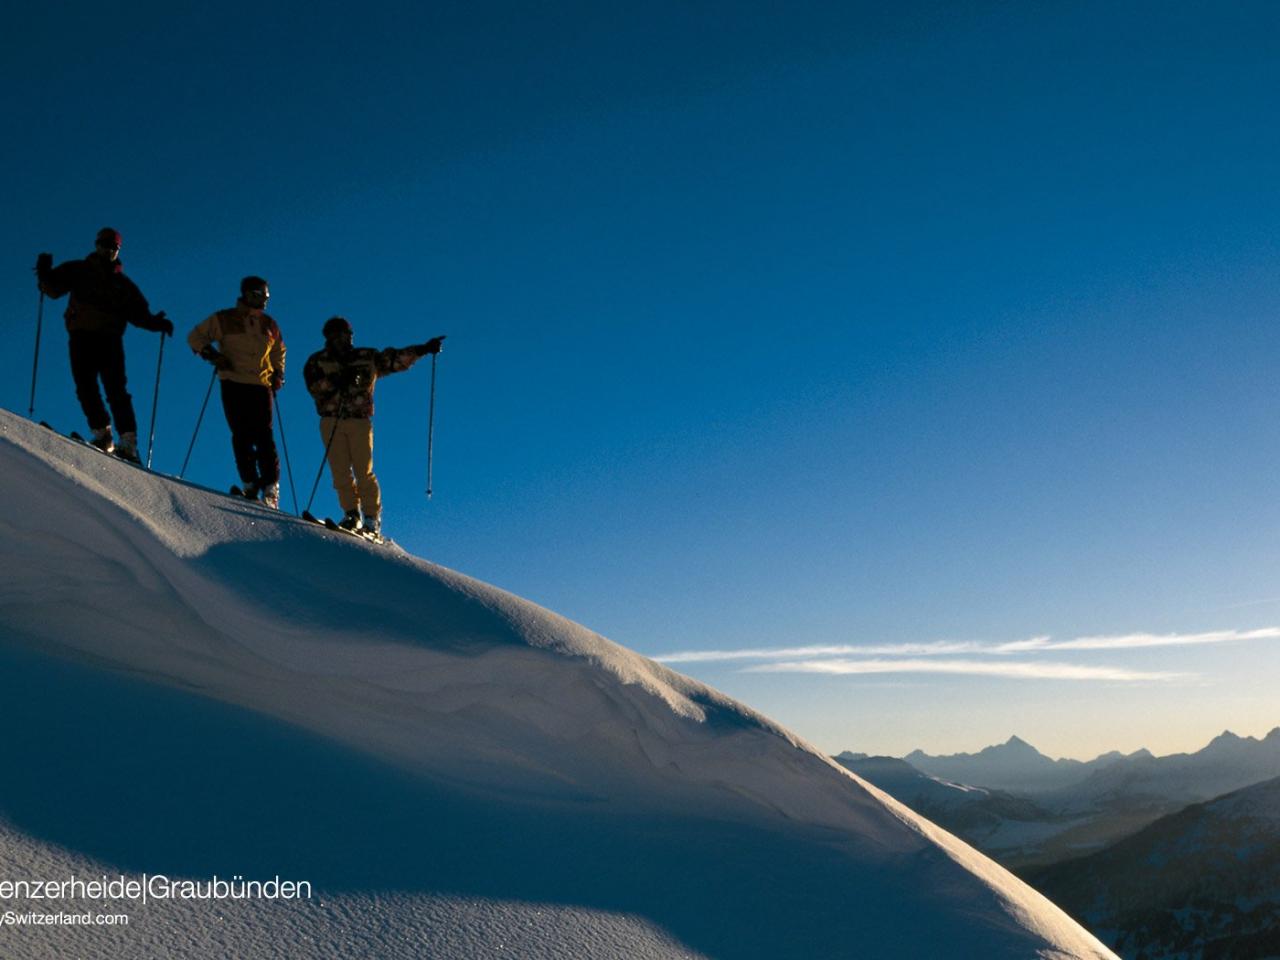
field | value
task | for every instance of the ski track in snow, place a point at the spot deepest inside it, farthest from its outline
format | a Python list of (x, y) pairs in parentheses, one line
[(204, 686)]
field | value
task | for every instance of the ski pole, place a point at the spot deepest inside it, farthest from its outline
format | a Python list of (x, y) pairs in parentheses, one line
[(431, 422), (199, 419), (275, 398), (155, 399), (35, 364), (325, 458)]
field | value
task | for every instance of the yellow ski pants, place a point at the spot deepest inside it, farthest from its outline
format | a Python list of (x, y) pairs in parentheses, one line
[(351, 462)]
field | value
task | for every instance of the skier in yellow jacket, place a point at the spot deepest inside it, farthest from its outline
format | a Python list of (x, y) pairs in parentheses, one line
[(249, 358)]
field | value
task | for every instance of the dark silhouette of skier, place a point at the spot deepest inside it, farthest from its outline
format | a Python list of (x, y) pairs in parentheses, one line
[(103, 302)]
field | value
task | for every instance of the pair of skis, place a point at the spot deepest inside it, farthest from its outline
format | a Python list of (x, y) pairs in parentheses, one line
[(79, 438), (330, 524)]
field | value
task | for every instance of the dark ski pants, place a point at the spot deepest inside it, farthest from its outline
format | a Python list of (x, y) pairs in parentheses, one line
[(100, 353), (248, 409)]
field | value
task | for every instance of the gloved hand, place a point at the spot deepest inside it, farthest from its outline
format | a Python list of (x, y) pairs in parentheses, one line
[(44, 266), (277, 381), (162, 323), (220, 361), (431, 346)]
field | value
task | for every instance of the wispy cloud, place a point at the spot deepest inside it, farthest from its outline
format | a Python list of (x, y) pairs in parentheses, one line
[(939, 648), (1014, 659), (1132, 641), (943, 648), (986, 668)]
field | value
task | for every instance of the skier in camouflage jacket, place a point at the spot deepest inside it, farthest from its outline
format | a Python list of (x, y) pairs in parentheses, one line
[(341, 378)]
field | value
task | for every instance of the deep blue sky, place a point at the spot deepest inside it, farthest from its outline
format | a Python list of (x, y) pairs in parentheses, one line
[(769, 325)]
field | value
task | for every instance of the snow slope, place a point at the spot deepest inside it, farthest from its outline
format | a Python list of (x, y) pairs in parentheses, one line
[(191, 685)]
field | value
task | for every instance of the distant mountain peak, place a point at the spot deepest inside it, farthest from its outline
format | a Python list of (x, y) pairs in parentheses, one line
[(1017, 747), (1226, 740)]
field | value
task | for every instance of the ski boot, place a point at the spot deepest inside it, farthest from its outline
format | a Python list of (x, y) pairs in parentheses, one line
[(350, 520), (271, 496), (372, 524), (102, 440), (127, 448), (249, 491)]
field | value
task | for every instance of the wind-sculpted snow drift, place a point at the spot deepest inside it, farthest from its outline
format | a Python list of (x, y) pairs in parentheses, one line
[(193, 686)]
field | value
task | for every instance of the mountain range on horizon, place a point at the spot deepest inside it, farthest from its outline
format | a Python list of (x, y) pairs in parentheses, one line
[(1028, 810), (1012, 765), (1019, 767), (1017, 745)]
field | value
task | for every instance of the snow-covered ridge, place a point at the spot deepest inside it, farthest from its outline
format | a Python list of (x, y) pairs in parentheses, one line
[(485, 696)]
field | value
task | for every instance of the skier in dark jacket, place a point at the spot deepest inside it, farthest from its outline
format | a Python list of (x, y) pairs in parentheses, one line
[(341, 378), (103, 301)]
